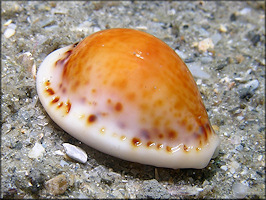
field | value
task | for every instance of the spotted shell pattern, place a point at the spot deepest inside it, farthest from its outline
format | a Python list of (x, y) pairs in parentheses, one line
[(128, 94)]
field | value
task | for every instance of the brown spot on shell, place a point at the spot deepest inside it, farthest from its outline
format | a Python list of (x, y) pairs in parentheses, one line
[(200, 143), (68, 106), (185, 148), (55, 99), (198, 149), (161, 136), (118, 107), (47, 83), (60, 105), (92, 118), (169, 149), (150, 144), (172, 134), (49, 90), (63, 61), (159, 146), (189, 127), (136, 142)]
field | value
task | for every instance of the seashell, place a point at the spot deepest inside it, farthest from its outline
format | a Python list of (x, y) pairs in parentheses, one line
[(126, 93), (75, 153)]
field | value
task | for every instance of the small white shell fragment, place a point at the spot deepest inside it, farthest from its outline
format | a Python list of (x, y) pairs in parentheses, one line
[(245, 11), (181, 54), (260, 158), (36, 151), (141, 27), (224, 167), (8, 22), (33, 71), (75, 153), (9, 32), (223, 28)]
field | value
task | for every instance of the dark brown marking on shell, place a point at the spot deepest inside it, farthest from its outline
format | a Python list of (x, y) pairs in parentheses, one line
[(185, 148), (68, 106), (159, 146), (75, 44), (172, 134), (49, 90), (60, 105), (198, 149), (161, 136), (189, 127), (150, 144), (169, 149), (58, 62), (63, 61), (47, 83), (55, 99), (92, 118), (68, 52), (208, 128), (136, 142), (118, 107)]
